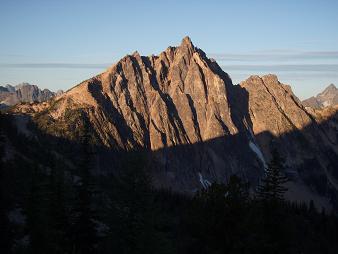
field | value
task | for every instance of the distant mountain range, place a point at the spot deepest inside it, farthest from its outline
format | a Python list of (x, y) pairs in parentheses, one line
[(329, 97), (24, 92)]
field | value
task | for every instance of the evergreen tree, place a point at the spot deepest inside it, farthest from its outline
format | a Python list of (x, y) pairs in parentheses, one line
[(37, 213), (83, 232), (58, 221), (272, 187), (237, 192), (5, 232), (271, 210), (312, 208), (132, 210), (218, 215)]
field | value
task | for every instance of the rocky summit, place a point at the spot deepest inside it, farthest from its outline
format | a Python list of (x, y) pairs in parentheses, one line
[(196, 126), (329, 97)]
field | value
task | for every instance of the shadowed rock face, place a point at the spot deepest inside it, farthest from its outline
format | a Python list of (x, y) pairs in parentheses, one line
[(329, 97), (197, 126)]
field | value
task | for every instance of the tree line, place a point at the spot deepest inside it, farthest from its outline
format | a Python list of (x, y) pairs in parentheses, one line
[(80, 212)]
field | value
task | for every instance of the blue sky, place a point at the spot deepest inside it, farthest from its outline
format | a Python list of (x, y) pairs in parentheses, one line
[(57, 44)]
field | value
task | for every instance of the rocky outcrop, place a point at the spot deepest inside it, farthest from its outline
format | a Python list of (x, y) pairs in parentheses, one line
[(329, 97), (196, 126), (274, 110)]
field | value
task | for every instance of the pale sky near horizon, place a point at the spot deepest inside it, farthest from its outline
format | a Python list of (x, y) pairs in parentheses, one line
[(57, 44)]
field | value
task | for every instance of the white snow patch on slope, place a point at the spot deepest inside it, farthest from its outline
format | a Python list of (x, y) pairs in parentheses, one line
[(205, 183), (251, 133), (326, 103), (258, 152)]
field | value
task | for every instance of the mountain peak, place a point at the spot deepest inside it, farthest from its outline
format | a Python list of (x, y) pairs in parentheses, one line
[(328, 91), (136, 54), (330, 88), (328, 97), (186, 42)]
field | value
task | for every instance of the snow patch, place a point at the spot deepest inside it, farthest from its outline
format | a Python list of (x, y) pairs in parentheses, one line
[(251, 133), (258, 152), (326, 103), (205, 183)]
